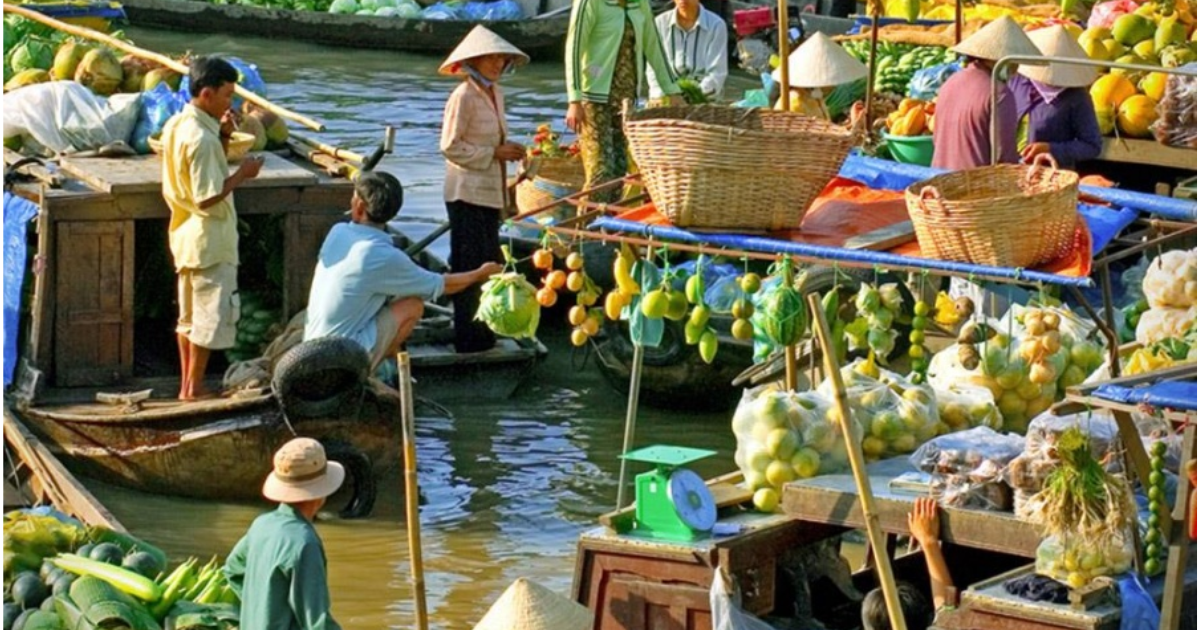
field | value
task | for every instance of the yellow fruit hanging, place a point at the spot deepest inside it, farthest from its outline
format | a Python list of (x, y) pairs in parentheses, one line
[(1136, 114)]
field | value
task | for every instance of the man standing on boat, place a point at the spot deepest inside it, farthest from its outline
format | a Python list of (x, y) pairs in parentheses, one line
[(278, 568), (203, 233), (697, 47), (365, 288)]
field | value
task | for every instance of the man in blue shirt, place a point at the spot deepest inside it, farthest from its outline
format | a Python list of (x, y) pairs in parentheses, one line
[(365, 288)]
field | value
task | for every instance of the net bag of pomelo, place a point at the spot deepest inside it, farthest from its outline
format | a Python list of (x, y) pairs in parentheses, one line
[(896, 414), (508, 304)]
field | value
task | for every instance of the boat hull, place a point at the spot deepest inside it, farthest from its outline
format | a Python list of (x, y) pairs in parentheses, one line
[(541, 37)]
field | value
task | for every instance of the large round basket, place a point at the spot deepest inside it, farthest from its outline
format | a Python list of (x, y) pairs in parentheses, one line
[(1005, 216), (729, 168), (555, 178)]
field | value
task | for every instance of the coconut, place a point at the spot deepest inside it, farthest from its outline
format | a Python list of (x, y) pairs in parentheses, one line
[(26, 77), (66, 60), (161, 75), (133, 72), (277, 131), (100, 71), (252, 125)]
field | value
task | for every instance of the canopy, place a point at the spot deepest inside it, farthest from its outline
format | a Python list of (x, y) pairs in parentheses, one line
[(1179, 395)]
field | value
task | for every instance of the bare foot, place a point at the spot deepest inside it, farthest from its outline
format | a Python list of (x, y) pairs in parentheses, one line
[(199, 393)]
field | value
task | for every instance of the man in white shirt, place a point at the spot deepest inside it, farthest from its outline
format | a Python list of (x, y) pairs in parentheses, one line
[(696, 42)]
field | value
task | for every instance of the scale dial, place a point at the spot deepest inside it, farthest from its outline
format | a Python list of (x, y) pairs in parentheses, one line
[(692, 499)]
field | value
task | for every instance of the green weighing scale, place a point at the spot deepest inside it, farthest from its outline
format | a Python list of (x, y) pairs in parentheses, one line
[(670, 502)]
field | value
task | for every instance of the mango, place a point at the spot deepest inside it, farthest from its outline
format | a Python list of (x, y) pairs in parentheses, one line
[(1170, 31), (1136, 114), (66, 60), (1132, 28)]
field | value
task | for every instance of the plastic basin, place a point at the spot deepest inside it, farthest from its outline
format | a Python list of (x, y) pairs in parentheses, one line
[(911, 149)]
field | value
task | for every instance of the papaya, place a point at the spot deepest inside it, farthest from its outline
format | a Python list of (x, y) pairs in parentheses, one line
[(1110, 90), (1154, 85), (1136, 114)]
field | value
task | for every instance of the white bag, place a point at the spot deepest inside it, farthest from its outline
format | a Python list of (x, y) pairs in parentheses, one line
[(727, 613), (64, 116)]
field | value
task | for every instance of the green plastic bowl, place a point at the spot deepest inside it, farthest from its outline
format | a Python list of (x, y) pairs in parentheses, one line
[(911, 149)]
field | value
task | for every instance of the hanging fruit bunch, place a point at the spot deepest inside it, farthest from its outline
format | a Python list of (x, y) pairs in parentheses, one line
[(509, 303), (877, 310), (697, 332), (552, 280), (831, 307), (582, 316), (627, 287), (918, 354), (782, 315), (1041, 346), (1156, 492)]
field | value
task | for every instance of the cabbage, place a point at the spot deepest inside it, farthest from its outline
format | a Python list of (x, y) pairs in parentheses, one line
[(408, 9), (386, 12), (368, 5), (509, 306), (364, 12), (343, 6), (32, 54)]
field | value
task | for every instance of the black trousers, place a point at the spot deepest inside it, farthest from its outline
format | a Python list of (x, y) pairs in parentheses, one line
[(474, 240)]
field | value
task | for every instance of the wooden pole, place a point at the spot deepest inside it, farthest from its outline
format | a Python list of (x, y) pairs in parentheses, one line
[(883, 563), (785, 83), (341, 154), (789, 352), (412, 509), (958, 21), (872, 55), (631, 408), (108, 40)]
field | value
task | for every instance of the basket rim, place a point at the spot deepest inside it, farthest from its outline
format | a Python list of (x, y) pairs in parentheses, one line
[(1059, 179), (642, 120)]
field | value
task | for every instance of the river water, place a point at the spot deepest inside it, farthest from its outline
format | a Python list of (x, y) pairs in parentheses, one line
[(506, 488)]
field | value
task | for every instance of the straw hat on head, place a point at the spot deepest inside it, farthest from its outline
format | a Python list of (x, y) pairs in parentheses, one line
[(1056, 41), (302, 473), (1001, 38), (479, 42), (528, 605), (821, 62)]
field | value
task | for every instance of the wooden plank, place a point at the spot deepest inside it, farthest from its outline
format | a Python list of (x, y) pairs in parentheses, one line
[(1147, 152), (44, 297), (94, 322), (67, 493), (329, 197), (1179, 552), (884, 238), (143, 173), (54, 180)]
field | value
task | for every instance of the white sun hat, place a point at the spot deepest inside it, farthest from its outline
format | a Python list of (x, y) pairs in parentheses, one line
[(479, 42), (821, 62), (1001, 38), (302, 473), (1056, 41), (528, 605)]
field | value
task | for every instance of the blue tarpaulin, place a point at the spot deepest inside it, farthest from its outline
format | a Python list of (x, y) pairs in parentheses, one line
[(18, 212), (1170, 394)]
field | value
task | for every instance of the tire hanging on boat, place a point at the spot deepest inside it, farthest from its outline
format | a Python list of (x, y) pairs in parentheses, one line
[(359, 469), (315, 378)]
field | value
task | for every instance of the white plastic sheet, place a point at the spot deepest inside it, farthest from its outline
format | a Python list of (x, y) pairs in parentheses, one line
[(64, 116), (726, 605)]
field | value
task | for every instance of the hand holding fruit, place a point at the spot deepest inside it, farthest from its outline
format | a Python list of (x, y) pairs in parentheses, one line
[(487, 270)]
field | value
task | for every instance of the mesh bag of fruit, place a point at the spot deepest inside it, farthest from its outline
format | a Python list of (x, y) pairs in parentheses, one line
[(963, 406), (968, 467), (784, 436), (896, 414), (1075, 559)]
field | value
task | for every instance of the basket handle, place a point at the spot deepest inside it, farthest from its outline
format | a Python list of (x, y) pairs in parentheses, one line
[(928, 192), (1038, 162)]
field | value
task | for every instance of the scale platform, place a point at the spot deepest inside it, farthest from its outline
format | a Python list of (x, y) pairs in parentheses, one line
[(672, 502)]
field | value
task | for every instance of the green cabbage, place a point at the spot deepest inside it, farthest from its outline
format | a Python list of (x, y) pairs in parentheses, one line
[(343, 6), (509, 306), (32, 54)]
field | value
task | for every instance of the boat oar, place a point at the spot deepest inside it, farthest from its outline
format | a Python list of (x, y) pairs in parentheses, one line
[(412, 509), (163, 60), (858, 465)]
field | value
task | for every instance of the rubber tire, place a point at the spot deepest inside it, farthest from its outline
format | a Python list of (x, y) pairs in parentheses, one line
[(315, 378), (361, 475)]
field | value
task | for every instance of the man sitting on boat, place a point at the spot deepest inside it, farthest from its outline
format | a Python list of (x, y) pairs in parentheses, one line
[(278, 568), (365, 288), (203, 232), (696, 42)]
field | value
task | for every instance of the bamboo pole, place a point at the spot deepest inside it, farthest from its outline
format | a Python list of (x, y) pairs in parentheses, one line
[(883, 563), (790, 370), (108, 40), (412, 509), (341, 154), (872, 56), (785, 83), (631, 409)]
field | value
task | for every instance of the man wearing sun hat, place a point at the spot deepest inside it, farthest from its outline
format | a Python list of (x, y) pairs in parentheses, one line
[(962, 138), (1053, 104), (527, 605), (278, 567)]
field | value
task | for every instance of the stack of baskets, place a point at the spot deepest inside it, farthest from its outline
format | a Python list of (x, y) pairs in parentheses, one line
[(554, 179), (1005, 216), (713, 167)]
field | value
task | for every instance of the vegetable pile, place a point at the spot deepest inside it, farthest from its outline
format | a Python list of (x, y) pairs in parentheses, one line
[(896, 64), (509, 304)]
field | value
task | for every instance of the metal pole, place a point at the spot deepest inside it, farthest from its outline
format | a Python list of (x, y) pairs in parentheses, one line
[(412, 511), (635, 385), (858, 465)]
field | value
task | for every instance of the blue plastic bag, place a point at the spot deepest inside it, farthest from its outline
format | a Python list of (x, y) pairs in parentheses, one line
[(491, 11), (157, 107), (927, 81), (1138, 610), (18, 212), (443, 11), (248, 77)]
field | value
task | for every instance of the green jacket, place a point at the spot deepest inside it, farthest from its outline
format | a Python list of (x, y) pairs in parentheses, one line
[(593, 40), (278, 570)]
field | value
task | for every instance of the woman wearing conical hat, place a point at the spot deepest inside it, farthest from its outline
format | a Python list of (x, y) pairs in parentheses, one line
[(962, 138), (527, 605), (474, 143), (1053, 102), (816, 67)]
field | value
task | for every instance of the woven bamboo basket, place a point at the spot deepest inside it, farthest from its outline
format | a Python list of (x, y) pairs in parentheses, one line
[(713, 167), (555, 178), (1005, 216)]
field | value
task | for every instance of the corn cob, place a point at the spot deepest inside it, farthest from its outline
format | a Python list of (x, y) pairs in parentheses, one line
[(180, 580)]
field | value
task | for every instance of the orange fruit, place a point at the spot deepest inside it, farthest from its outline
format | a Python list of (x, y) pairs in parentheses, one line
[(543, 259), (555, 279), (547, 297), (574, 261)]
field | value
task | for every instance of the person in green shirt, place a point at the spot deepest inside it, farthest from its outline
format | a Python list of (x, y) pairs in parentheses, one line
[(278, 567)]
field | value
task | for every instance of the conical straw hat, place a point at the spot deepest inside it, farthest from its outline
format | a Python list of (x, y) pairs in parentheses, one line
[(479, 42), (1001, 38), (821, 62), (528, 605), (1056, 41)]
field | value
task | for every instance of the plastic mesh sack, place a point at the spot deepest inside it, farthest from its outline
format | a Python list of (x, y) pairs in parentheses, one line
[(967, 468), (963, 406), (1176, 124), (493, 11), (896, 415), (1076, 560), (64, 116), (443, 11)]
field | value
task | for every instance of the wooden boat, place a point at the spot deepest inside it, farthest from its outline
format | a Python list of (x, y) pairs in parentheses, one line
[(98, 235), (539, 36)]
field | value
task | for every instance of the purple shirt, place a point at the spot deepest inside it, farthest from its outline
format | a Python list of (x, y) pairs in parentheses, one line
[(1068, 124), (964, 117)]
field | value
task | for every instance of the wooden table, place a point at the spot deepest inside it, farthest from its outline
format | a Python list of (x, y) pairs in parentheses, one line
[(832, 500), (1146, 152)]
